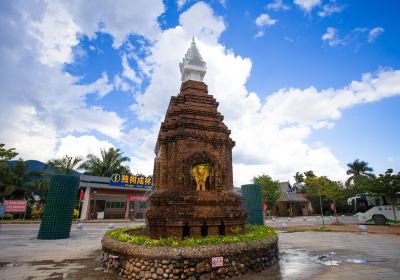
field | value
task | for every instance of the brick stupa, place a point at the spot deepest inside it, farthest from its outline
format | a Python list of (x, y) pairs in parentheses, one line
[(193, 186)]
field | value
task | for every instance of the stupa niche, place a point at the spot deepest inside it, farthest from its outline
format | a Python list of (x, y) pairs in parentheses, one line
[(193, 182)]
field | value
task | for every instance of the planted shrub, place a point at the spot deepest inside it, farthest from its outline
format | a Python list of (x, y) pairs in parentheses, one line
[(253, 232)]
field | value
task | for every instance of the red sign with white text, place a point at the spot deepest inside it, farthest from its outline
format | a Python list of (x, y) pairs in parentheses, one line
[(217, 262), (15, 205), (137, 197)]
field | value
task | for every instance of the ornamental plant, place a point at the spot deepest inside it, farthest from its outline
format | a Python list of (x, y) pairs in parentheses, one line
[(253, 232)]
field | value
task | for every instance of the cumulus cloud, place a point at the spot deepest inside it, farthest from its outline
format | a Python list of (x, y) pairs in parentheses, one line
[(265, 20), (55, 48), (80, 146), (277, 5), (262, 21), (117, 18), (307, 5), (40, 103), (270, 134), (374, 33), (45, 107)]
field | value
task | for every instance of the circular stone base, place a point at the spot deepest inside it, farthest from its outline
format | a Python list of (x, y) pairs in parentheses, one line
[(146, 262)]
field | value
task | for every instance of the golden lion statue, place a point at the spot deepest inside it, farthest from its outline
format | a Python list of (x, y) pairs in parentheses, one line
[(200, 174)]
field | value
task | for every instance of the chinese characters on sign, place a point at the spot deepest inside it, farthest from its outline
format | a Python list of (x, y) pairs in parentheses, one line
[(137, 197), (15, 205), (131, 181), (217, 262)]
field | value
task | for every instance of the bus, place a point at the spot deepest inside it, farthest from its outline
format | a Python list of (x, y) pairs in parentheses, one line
[(373, 208)]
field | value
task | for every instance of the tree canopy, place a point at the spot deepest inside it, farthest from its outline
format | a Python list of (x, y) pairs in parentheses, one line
[(299, 181), (388, 184), (270, 189)]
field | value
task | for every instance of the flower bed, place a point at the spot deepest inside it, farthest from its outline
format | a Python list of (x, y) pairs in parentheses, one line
[(130, 253)]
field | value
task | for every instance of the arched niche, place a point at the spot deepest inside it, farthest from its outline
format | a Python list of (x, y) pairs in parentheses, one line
[(202, 158)]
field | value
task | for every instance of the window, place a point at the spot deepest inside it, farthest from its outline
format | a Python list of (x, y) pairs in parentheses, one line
[(142, 204)]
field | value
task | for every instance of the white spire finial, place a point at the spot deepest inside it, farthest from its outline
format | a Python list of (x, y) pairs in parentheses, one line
[(192, 66)]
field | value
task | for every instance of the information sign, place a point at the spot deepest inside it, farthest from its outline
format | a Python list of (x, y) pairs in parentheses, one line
[(137, 197), (131, 181), (15, 206), (217, 261)]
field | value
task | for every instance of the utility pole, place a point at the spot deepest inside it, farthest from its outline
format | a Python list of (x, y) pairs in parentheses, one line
[(320, 205)]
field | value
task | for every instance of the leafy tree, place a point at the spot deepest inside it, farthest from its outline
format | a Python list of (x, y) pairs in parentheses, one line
[(111, 161), (309, 174), (299, 182), (388, 184), (41, 187), (5, 174), (270, 189), (7, 154), (358, 169), (332, 191), (65, 165)]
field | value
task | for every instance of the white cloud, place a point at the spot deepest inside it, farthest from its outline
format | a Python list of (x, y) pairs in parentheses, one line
[(259, 34), (374, 33), (40, 103), (180, 3), (200, 21), (56, 32), (329, 9), (128, 72), (262, 21), (41, 107), (80, 146), (307, 5), (277, 5), (332, 38), (265, 20), (120, 84), (270, 134), (118, 18), (102, 86)]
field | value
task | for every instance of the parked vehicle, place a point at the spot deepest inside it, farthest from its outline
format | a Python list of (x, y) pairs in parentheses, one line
[(378, 215), (373, 208)]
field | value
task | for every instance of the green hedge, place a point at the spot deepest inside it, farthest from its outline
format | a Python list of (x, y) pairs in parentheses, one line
[(253, 232)]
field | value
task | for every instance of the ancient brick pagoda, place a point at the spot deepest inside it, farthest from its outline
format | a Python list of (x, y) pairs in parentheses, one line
[(193, 188)]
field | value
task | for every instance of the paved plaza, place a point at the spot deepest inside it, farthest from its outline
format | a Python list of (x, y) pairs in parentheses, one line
[(304, 255)]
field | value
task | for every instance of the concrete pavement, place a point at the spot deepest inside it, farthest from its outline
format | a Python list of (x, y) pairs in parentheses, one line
[(304, 255)]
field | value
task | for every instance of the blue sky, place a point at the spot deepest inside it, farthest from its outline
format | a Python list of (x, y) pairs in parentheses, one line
[(303, 84)]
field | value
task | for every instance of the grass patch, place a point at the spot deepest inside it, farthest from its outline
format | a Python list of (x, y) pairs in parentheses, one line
[(318, 229), (253, 232)]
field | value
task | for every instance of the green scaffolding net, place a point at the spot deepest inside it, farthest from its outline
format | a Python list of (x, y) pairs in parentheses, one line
[(253, 203), (58, 212)]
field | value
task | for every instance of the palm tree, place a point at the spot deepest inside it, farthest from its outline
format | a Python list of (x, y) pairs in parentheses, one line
[(20, 181), (110, 162), (358, 169), (66, 165)]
